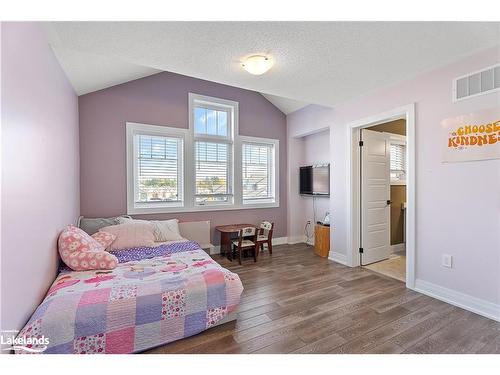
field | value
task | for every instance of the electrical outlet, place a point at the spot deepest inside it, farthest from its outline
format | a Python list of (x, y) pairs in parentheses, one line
[(308, 222), (447, 260)]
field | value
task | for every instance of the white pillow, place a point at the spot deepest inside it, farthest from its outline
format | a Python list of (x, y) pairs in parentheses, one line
[(167, 230), (164, 230)]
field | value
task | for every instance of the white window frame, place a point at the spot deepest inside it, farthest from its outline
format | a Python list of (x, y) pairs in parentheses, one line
[(398, 139), (133, 129), (275, 173), (232, 127)]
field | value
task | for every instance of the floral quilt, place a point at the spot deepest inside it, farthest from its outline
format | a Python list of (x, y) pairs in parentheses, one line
[(154, 296)]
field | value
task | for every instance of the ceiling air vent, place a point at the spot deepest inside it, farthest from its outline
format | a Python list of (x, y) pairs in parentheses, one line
[(478, 83)]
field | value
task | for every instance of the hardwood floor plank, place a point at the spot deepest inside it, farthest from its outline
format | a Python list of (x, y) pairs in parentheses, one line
[(297, 302), (440, 341), (322, 346), (375, 338)]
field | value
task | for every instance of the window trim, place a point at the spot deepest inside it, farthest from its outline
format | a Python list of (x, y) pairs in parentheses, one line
[(233, 109), (275, 175), (132, 129)]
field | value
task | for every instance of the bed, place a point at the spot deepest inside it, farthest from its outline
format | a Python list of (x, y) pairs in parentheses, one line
[(156, 295)]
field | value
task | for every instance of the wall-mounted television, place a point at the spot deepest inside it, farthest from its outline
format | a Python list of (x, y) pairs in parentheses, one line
[(315, 180)]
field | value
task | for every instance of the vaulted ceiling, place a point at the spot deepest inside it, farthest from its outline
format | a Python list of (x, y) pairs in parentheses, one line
[(316, 62)]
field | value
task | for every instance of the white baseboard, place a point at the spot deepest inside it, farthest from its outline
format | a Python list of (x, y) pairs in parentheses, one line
[(465, 301), (276, 241), (399, 247), (338, 257), (280, 241), (297, 239)]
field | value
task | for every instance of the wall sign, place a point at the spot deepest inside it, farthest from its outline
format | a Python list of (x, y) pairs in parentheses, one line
[(475, 136)]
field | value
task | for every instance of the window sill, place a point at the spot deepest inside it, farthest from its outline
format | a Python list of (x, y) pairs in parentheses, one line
[(173, 210)]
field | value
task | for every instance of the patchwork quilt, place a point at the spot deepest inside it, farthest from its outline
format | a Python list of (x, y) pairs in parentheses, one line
[(154, 296)]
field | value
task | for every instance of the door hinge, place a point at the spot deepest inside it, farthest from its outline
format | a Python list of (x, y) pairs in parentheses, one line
[(360, 143), (361, 250)]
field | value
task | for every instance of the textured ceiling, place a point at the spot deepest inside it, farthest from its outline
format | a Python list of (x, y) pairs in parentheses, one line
[(316, 62)]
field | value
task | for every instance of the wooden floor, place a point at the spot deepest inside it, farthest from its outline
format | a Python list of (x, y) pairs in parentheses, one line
[(296, 302)]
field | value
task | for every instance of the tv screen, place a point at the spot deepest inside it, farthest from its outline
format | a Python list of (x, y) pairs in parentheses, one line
[(315, 180)]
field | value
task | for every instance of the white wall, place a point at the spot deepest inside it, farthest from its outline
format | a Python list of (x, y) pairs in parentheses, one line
[(316, 151), (40, 168), (457, 204), (304, 148)]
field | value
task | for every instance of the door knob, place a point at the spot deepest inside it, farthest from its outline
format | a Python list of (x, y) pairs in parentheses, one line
[(389, 202)]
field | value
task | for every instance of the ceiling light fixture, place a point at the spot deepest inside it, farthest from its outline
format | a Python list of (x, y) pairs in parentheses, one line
[(257, 64)]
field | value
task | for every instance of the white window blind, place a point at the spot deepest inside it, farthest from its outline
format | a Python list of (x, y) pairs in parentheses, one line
[(398, 162), (258, 172), (159, 168), (212, 165)]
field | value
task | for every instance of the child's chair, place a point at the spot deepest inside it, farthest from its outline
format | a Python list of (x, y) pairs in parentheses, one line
[(265, 236), (247, 239)]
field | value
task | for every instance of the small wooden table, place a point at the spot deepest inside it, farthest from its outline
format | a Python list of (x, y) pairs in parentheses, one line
[(322, 240), (225, 235)]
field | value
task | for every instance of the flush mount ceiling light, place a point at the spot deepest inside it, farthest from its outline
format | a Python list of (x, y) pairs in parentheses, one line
[(257, 64)]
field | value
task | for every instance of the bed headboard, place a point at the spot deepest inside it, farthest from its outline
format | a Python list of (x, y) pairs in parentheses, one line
[(198, 231)]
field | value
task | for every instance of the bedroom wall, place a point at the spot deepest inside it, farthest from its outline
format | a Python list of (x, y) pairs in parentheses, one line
[(162, 99), (306, 150), (301, 127), (457, 204), (40, 185), (316, 151)]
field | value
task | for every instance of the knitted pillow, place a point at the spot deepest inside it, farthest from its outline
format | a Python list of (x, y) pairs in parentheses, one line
[(131, 235)]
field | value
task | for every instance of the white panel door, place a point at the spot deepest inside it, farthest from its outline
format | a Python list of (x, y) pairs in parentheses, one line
[(375, 196)]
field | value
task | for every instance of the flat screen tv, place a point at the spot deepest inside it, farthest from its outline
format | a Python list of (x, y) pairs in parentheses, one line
[(315, 180)]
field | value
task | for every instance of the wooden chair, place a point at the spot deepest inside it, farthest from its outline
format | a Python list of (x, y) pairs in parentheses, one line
[(247, 239), (265, 236)]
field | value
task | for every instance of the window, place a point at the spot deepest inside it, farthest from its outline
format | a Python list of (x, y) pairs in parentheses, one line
[(398, 163), (258, 172), (154, 167), (212, 122), (213, 129), (212, 172), (206, 167), (158, 167)]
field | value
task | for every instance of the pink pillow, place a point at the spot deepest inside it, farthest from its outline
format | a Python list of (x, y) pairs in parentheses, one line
[(104, 238), (131, 235), (80, 252)]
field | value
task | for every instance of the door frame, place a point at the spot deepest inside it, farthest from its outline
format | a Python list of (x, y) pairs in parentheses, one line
[(406, 112)]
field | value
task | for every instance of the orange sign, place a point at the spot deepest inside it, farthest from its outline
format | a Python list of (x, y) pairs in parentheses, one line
[(475, 136)]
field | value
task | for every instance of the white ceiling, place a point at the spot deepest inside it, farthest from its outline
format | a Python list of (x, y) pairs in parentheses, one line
[(316, 62), (285, 105)]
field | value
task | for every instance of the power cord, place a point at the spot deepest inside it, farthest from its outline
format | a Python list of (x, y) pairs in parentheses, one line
[(307, 232), (314, 210)]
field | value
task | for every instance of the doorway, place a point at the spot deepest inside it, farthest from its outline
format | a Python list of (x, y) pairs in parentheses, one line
[(382, 194), (383, 198)]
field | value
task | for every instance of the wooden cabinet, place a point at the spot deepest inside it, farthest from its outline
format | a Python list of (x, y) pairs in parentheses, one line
[(321, 240)]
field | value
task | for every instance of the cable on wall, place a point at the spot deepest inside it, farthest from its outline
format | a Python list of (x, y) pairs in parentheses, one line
[(307, 232), (314, 210)]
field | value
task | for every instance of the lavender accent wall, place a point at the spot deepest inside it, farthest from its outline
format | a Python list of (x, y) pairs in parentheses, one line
[(162, 99), (40, 168)]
